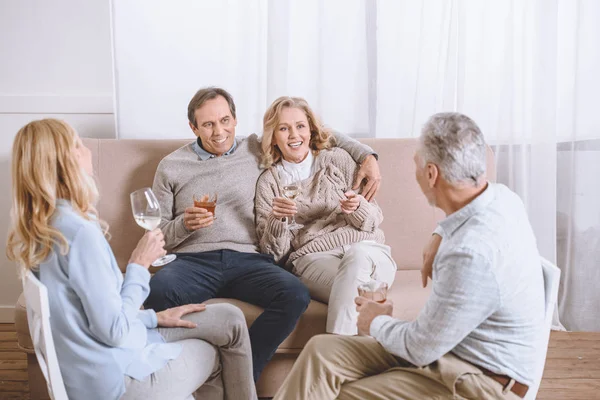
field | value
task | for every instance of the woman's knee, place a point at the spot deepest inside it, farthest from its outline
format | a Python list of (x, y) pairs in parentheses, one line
[(357, 262), (364, 259), (232, 322), (359, 250), (229, 314)]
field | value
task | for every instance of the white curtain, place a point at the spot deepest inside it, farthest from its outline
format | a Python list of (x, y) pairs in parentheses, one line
[(527, 71)]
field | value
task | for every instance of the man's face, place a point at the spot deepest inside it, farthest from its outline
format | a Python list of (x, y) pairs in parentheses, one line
[(424, 179), (215, 126)]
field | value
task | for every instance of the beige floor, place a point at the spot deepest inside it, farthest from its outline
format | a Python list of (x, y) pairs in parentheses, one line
[(572, 368)]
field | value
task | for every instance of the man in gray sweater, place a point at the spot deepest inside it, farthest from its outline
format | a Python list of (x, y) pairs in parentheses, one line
[(477, 335), (218, 257)]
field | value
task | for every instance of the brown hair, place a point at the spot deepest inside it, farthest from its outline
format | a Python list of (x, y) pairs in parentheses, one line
[(205, 94), (320, 137)]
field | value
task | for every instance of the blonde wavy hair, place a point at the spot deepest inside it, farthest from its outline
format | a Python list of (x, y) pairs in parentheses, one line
[(320, 137), (45, 168)]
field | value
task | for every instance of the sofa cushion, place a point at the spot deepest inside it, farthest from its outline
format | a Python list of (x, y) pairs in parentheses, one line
[(406, 293)]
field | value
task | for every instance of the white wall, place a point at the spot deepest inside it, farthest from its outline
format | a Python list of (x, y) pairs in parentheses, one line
[(257, 50), (55, 61), (165, 51)]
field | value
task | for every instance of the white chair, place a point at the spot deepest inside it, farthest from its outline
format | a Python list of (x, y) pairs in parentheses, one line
[(38, 317), (551, 280)]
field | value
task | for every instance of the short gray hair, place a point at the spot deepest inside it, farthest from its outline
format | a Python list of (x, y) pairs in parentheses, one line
[(454, 143)]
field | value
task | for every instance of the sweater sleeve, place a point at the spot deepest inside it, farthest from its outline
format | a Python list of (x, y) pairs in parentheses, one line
[(112, 312), (273, 235), (368, 216), (356, 149), (172, 227)]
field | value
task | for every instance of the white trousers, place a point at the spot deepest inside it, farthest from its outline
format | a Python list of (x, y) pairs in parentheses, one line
[(333, 276)]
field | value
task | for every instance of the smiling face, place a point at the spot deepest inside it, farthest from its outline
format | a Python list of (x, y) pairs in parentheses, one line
[(292, 134), (215, 126)]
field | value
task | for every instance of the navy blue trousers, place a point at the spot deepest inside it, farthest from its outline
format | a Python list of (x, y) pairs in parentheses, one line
[(250, 277)]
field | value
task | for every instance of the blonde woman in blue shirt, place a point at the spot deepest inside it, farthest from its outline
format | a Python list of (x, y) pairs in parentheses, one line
[(107, 347)]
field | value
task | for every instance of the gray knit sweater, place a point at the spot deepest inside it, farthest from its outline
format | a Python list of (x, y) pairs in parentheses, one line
[(325, 226), (182, 174)]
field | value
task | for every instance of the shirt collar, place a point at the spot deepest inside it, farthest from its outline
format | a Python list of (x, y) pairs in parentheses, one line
[(205, 155), (455, 220), (301, 170)]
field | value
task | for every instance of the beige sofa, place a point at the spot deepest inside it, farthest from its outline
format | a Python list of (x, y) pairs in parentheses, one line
[(121, 166)]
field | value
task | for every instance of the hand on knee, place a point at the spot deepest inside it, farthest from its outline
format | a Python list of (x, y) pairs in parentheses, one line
[(233, 321)]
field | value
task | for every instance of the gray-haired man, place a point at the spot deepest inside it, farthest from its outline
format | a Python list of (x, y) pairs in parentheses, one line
[(476, 337)]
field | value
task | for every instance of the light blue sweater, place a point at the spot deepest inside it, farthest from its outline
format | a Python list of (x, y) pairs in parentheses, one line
[(99, 331)]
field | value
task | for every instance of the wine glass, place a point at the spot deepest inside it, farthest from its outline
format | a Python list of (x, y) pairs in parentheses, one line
[(291, 190), (146, 212)]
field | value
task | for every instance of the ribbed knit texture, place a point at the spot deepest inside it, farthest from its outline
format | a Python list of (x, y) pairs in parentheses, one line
[(325, 226)]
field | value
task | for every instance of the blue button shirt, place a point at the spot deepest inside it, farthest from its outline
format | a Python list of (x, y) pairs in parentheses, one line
[(205, 155), (99, 331)]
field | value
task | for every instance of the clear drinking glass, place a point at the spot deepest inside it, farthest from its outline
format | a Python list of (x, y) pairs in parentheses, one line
[(207, 201), (374, 290), (146, 212), (291, 183)]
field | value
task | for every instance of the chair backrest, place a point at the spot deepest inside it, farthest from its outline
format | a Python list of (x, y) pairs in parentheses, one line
[(551, 280), (38, 317)]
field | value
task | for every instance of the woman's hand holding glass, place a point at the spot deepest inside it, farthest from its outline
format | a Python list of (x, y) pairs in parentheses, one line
[(149, 248), (146, 212), (291, 188), (284, 208)]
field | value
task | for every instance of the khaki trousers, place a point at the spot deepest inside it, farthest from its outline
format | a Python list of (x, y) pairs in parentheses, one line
[(332, 277), (359, 368)]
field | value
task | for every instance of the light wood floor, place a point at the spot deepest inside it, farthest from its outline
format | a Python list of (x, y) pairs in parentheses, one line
[(572, 368)]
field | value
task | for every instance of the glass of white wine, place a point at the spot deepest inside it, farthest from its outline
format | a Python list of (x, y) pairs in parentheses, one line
[(146, 212), (291, 190)]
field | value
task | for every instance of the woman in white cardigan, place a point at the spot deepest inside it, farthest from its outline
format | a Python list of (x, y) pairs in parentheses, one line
[(340, 244)]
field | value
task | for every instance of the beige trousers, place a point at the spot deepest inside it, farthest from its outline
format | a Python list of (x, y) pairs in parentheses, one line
[(332, 277), (359, 368)]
